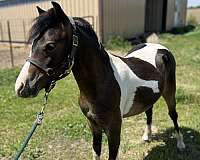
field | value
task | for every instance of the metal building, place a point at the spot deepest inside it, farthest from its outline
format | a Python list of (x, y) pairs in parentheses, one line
[(126, 18)]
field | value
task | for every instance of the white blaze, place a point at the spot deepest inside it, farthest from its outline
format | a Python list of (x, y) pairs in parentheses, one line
[(22, 76)]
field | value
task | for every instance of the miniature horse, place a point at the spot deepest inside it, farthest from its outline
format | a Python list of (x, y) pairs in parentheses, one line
[(111, 87)]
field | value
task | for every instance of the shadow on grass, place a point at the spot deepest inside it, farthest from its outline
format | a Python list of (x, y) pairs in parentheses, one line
[(169, 151)]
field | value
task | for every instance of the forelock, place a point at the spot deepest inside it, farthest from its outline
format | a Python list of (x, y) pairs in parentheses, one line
[(41, 23)]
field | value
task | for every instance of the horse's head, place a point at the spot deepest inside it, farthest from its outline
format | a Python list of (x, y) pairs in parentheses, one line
[(50, 54)]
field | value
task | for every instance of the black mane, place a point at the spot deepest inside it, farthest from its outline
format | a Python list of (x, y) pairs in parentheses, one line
[(42, 23), (48, 19), (86, 26)]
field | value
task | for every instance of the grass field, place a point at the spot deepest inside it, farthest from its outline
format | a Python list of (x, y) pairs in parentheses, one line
[(64, 135)]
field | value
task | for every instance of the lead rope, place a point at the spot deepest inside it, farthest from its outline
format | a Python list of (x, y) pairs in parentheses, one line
[(37, 122)]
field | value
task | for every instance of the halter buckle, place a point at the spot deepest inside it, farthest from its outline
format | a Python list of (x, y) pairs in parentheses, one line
[(75, 40)]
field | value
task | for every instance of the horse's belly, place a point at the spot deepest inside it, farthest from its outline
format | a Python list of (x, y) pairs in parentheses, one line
[(144, 98), (136, 108)]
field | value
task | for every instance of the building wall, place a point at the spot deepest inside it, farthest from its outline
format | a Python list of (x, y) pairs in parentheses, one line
[(83, 8), (110, 17), (27, 12), (123, 17), (154, 16), (171, 13), (180, 11)]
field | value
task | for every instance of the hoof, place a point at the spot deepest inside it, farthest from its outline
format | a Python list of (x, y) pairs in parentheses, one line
[(95, 157), (180, 143), (146, 137), (181, 146)]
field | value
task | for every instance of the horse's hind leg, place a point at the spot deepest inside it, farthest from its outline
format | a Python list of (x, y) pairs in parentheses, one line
[(169, 96), (148, 131)]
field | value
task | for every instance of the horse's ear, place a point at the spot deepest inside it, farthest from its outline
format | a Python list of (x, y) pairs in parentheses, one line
[(59, 11), (40, 10)]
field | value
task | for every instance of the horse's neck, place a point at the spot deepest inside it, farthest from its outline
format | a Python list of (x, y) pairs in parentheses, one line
[(90, 69)]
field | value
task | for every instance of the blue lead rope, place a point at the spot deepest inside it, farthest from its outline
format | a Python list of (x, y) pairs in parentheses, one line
[(37, 122)]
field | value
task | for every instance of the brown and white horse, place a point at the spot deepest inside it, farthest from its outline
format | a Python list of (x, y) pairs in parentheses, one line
[(111, 87)]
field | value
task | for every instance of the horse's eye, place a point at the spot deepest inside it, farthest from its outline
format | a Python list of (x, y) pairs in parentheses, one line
[(50, 46)]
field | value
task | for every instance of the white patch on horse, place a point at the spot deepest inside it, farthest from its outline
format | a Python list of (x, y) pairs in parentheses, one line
[(179, 138), (147, 53), (95, 156), (128, 83), (147, 133), (23, 76)]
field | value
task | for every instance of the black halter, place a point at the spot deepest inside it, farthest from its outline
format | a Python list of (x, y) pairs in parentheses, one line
[(65, 66)]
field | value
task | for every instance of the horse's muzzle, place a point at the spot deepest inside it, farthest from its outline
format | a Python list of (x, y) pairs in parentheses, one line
[(26, 91)]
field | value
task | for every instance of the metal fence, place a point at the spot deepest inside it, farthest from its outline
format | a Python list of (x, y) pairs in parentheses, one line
[(18, 29), (14, 45)]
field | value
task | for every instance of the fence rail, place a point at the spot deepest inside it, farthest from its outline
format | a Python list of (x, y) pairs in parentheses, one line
[(19, 29), (16, 31)]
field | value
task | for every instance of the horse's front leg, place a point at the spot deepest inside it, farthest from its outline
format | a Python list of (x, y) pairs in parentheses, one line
[(97, 139), (113, 134)]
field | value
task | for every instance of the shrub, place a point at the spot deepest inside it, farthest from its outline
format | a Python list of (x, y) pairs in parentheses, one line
[(182, 30), (192, 20), (118, 43)]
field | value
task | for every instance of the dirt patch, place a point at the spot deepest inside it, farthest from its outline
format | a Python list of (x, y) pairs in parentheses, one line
[(20, 52), (64, 149)]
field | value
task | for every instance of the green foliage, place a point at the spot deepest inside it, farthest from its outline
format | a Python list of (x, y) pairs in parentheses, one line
[(194, 7), (182, 30), (192, 21), (118, 43)]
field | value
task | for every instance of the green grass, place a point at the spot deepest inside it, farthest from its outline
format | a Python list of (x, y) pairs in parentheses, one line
[(64, 134), (117, 43)]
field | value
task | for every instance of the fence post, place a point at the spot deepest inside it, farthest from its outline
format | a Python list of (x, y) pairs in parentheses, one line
[(1, 30), (24, 30), (10, 42)]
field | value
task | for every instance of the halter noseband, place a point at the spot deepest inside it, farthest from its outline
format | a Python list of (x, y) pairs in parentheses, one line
[(70, 60)]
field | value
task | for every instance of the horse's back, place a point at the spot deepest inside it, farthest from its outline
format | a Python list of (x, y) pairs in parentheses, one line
[(146, 52)]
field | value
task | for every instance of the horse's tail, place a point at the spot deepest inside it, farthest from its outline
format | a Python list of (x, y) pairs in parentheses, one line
[(170, 65), (170, 69)]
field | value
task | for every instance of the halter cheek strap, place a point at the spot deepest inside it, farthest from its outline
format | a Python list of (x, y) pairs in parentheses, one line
[(74, 42), (39, 64)]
